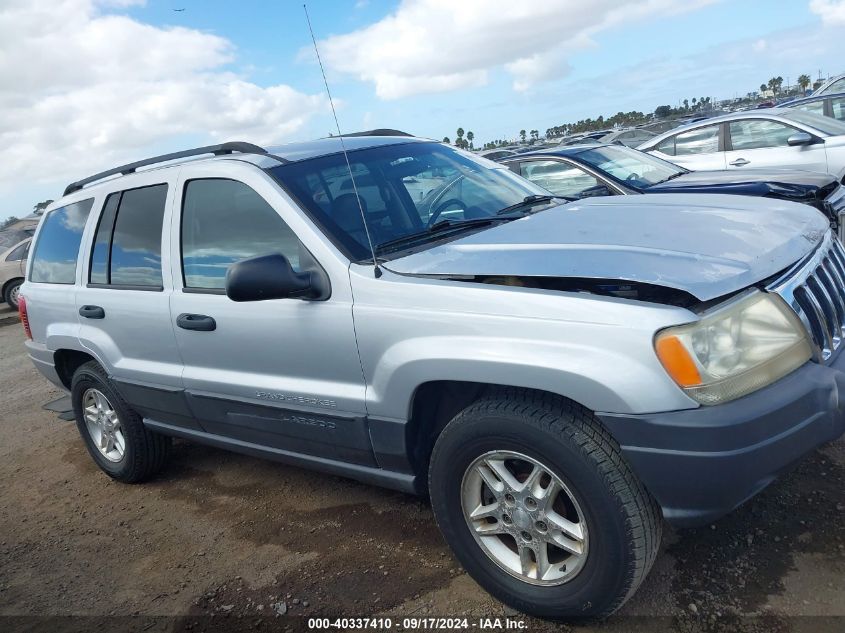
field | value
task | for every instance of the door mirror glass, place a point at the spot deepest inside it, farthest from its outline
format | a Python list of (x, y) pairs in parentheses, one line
[(799, 138), (271, 277)]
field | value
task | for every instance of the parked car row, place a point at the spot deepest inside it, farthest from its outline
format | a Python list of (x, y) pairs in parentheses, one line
[(14, 250), (606, 170)]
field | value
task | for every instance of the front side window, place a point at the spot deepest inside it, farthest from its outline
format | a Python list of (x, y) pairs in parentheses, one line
[(403, 190), (224, 222), (837, 105), (629, 166), (816, 107), (703, 140), (127, 246), (560, 178), (759, 133), (57, 249)]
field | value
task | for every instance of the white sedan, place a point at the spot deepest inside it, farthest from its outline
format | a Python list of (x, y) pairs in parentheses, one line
[(773, 137)]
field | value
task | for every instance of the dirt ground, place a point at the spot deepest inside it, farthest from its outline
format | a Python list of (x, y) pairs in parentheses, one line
[(225, 542)]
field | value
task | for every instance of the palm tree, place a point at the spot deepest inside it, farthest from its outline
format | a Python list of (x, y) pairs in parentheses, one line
[(470, 136), (804, 81), (686, 104), (775, 84), (460, 136), (763, 87), (446, 140), (522, 135)]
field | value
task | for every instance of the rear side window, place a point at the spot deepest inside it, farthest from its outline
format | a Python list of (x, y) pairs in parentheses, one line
[(57, 249), (127, 246), (18, 253), (703, 140), (224, 222), (812, 106)]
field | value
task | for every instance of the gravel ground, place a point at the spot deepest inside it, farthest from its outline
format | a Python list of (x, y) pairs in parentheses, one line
[(225, 542)]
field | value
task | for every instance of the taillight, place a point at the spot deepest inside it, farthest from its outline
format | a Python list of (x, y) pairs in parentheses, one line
[(24, 317)]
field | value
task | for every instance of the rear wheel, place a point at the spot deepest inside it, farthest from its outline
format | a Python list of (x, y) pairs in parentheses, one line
[(536, 501), (114, 434), (12, 292)]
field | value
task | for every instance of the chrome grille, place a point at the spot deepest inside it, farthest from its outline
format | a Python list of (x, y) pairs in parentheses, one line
[(815, 290)]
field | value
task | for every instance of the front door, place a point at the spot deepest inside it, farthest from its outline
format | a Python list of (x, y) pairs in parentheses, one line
[(280, 373), (763, 143)]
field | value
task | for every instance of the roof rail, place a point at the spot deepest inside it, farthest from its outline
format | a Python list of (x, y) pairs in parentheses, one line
[(379, 132), (222, 148)]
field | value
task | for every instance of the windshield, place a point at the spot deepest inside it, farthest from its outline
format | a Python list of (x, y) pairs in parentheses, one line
[(404, 189), (824, 124), (632, 167)]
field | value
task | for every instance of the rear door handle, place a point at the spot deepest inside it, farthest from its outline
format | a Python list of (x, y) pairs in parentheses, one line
[(199, 322), (92, 312), (739, 162)]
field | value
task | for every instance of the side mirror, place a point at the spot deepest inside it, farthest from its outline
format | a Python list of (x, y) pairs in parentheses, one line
[(272, 277), (799, 138)]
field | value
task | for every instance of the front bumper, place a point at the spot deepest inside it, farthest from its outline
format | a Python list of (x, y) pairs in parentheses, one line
[(702, 463)]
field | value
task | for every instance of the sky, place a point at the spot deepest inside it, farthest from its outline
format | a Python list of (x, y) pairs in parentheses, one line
[(86, 85)]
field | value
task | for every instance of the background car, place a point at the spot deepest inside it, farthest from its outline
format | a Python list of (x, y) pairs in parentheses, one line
[(497, 154), (833, 85), (629, 138), (608, 170), (775, 137), (12, 271), (832, 105)]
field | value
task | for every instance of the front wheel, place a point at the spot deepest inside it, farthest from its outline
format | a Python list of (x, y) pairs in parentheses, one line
[(535, 499)]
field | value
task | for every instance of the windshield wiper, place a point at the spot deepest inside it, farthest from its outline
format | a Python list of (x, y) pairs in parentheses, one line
[(530, 201), (438, 228), (672, 177)]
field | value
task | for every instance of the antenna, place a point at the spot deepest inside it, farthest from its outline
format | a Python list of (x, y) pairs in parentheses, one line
[(377, 270)]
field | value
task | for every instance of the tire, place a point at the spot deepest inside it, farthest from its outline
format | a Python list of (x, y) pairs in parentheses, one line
[(143, 454), (622, 524), (10, 293)]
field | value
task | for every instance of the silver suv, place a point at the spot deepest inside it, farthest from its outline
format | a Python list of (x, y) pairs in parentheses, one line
[(558, 377)]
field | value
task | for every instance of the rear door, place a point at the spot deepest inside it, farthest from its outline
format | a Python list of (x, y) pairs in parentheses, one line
[(124, 300), (763, 143), (280, 373)]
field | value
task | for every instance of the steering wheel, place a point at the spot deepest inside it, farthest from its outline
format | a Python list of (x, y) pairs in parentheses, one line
[(632, 176), (442, 207)]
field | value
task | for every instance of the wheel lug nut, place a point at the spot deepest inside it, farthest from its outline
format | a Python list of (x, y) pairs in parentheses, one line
[(525, 535), (541, 526), (506, 519), (530, 503), (509, 499)]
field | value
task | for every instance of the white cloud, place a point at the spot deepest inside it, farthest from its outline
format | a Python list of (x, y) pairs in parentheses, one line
[(832, 12), (441, 45), (82, 89)]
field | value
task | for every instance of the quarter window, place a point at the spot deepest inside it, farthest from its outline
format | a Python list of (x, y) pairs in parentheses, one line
[(127, 246), (57, 249), (560, 178), (758, 133), (224, 222), (19, 253), (704, 140)]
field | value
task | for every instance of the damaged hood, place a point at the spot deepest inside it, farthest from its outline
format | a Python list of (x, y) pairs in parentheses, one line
[(708, 246), (789, 184)]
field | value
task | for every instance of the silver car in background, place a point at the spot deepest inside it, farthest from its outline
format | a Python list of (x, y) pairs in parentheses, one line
[(773, 137)]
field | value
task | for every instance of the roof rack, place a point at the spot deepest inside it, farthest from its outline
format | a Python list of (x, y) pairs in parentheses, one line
[(379, 132), (217, 150)]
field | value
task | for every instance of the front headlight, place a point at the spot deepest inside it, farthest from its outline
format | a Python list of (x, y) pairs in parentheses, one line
[(738, 348)]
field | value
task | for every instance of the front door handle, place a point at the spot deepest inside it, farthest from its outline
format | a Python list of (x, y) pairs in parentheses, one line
[(199, 322), (739, 162), (92, 312)]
